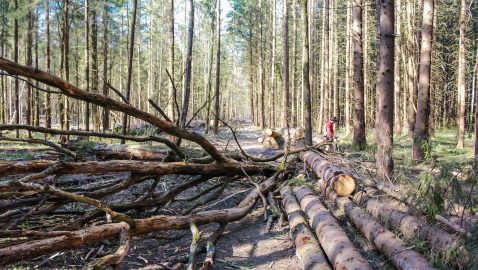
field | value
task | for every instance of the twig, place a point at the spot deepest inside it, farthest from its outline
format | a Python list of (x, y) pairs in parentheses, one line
[(118, 92), (194, 245), (157, 108), (30, 83), (259, 191)]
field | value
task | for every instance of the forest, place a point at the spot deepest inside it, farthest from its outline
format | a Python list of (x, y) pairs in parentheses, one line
[(238, 134)]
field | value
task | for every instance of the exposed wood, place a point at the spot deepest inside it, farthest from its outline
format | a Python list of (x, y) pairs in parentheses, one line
[(341, 182)]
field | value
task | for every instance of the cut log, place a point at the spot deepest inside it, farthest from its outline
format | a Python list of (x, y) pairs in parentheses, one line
[(272, 133), (76, 239), (343, 183), (339, 248), (308, 250), (270, 142), (411, 227)]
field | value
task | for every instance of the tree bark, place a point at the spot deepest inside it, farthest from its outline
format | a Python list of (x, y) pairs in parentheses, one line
[(421, 145), (411, 74), (188, 72), (29, 54), (172, 92), (359, 107), (130, 64), (262, 114), (87, 63), (305, 75), (340, 250), (106, 112), (218, 67), (15, 59), (397, 78), (385, 72), (285, 68), (48, 63), (461, 83), (307, 248), (94, 66)]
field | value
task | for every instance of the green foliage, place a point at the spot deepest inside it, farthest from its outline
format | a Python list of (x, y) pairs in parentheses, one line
[(297, 181)]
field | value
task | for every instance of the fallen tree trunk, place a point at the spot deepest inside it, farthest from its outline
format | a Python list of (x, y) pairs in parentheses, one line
[(411, 227), (340, 250), (343, 183), (308, 250), (76, 239), (271, 133), (139, 167)]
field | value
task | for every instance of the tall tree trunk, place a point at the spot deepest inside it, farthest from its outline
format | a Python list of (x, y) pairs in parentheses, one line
[(411, 75), (348, 65), (130, 64), (385, 74), (475, 88), (273, 68), (251, 73), (262, 117), (172, 94), (285, 69), (87, 62), (188, 72), (461, 84), (359, 106), (295, 113), (323, 68), (305, 75), (209, 79), (15, 59), (64, 104), (421, 145), (397, 79), (94, 66), (218, 67), (29, 52), (48, 63), (106, 112)]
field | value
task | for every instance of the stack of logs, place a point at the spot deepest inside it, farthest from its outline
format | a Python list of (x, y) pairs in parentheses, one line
[(275, 140), (308, 215)]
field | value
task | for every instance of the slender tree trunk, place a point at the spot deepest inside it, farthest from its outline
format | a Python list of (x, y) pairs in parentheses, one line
[(15, 59), (322, 71), (64, 113), (94, 66), (130, 65), (48, 63), (412, 90), (420, 136), (348, 64), (262, 119), (397, 79), (188, 72), (106, 112), (285, 69), (172, 94), (251, 75), (305, 75), (359, 106), (218, 67), (273, 68), (209, 79), (461, 84), (295, 112), (475, 88), (87, 62), (29, 52), (385, 74)]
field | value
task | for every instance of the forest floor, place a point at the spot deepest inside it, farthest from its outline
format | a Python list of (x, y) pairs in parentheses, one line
[(245, 243)]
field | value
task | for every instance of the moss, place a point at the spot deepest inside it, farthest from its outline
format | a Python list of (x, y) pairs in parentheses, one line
[(297, 181)]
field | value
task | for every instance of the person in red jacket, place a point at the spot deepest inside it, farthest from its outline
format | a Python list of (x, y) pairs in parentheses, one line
[(329, 128)]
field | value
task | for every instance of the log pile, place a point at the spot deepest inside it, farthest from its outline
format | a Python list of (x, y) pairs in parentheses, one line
[(271, 139)]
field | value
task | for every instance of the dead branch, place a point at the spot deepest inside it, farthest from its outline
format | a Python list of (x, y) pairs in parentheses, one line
[(194, 245), (157, 108), (92, 234), (72, 91), (211, 246)]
